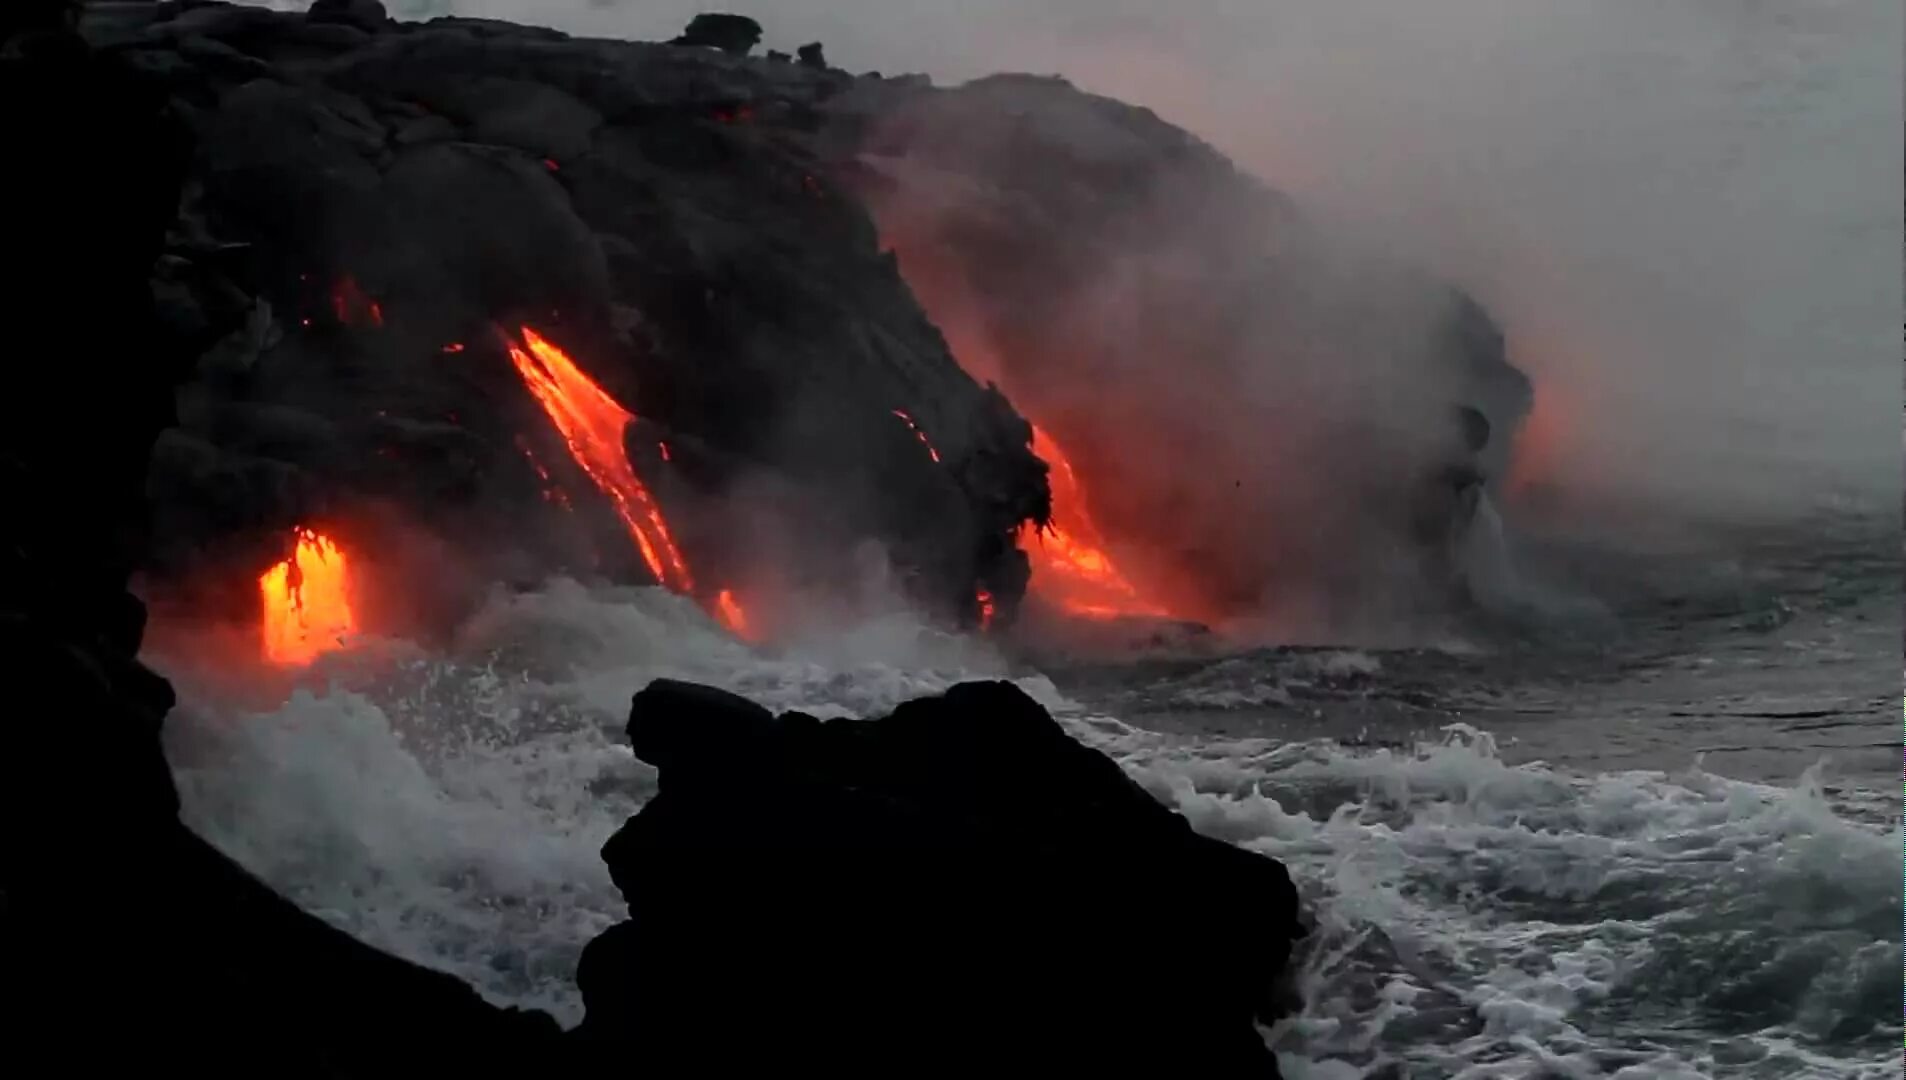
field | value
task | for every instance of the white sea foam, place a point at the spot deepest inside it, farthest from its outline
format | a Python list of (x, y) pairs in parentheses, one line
[(1475, 919), (1483, 920)]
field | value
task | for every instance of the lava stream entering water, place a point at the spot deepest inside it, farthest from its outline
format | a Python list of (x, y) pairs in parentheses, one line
[(1070, 567), (307, 603), (729, 613), (592, 424)]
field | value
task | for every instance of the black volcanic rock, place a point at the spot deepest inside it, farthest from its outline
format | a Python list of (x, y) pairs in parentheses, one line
[(693, 227), (732, 34), (371, 205), (362, 14), (121, 931), (957, 885), (1165, 316)]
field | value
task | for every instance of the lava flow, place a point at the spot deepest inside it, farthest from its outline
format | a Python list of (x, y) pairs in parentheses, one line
[(307, 604), (729, 613), (918, 434), (592, 424), (984, 600), (352, 307), (1070, 567)]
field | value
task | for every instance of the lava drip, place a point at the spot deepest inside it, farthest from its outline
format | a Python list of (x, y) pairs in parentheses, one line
[(907, 419), (1070, 567), (593, 425), (307, 605)]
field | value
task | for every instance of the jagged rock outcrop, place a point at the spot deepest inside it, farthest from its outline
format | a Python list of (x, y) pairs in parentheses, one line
[(120, 931), (372, 205), (956, 886), (736, 35)]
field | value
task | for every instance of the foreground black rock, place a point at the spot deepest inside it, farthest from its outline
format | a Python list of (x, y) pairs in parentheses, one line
[(957, 886), (123, 937), (732, 34)]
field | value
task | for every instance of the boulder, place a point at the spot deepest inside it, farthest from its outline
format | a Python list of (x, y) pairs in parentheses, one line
[(732, 34), (368, 15), (956, 884)]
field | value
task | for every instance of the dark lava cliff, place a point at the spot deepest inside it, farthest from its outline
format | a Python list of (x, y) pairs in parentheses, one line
[(371, 207), (372, 210)]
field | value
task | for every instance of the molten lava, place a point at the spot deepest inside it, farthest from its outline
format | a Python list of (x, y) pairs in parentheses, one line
[(1070, 567), (918, 434), (307, 605), (729, 613), (985, 601), (552, 492), (591, 423), (1536, 446), (351, 306)]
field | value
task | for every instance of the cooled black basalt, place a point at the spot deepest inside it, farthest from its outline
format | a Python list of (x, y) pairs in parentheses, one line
[(955, 886), (124, 936), (373, 207)]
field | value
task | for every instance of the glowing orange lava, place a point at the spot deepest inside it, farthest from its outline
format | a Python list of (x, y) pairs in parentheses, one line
[(307, 603), (729, 613), (1070, 567), (985, 601), (918, 434), (591, 423), (352, 306), (1536, 454)]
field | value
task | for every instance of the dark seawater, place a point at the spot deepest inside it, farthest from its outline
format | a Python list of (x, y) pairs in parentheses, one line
[(1759, 663), (1661, 844), (1665, 851)]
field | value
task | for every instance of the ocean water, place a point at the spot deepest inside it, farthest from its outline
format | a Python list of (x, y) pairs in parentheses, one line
[(1481, 912)]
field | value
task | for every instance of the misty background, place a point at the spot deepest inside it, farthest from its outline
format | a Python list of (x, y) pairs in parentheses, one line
[(1687, 215)]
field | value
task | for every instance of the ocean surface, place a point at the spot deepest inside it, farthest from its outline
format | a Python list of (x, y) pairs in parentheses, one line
[(1666, 850)]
